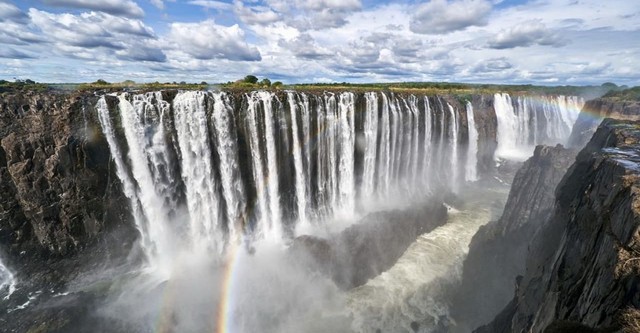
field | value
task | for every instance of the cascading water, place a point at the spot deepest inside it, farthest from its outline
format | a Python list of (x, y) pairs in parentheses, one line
[(203, 203), (453, 147), (370, 145), (471, 172), (7, 282), (300, 181), (527, 121)]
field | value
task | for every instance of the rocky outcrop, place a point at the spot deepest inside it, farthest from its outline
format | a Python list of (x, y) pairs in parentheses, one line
[(583, 269), (594, 111), (498, 250), (369, 247), (58, 194)]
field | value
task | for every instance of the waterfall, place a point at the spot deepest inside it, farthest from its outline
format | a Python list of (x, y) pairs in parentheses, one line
[(197, 171), (384, 166), (471, 173), (208, 168), (7, 281), (261, 212), (128, 186), (300, 178), (426, 161), (453, 147), (527, 121), (370, 145), (347, 151), (415, 144), (226, 143)]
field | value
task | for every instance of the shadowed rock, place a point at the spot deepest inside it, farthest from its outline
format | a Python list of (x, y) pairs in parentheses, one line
[(369, 247)]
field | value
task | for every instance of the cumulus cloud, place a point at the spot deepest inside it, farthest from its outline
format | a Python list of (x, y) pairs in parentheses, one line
[(91, 34), (304, 46), (259, 15), (207, 40), (526, 34), (315, 15), (442, 16), (126, 8)]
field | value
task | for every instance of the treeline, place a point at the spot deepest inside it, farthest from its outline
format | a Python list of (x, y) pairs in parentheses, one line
[(252, 82), (20, 85)]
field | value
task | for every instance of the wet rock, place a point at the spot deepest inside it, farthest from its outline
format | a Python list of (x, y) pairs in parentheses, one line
[(582, 264), (498, 250), (369, 247)]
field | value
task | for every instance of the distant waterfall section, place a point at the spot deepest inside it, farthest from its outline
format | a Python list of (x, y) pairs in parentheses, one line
[(527, 121), (212, 168)]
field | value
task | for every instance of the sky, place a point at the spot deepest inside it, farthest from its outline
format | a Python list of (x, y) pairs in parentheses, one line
[(547, 42)]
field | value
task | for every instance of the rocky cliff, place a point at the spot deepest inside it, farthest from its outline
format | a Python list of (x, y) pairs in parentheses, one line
[(582, 271), (58, 193), (498, 250), (594, 111)]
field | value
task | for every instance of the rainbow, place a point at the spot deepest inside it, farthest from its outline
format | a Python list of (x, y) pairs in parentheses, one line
[(225, 306)]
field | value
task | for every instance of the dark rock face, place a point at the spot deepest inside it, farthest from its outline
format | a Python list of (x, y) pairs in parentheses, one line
[(498, 250), (59, 196), (582, 267), (487, 126), (594, 111), (369, 247)]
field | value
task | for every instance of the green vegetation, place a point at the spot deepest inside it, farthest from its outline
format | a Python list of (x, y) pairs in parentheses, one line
[(252, 82), (22, 85), (462, 91), (631, 94), (129, 84)]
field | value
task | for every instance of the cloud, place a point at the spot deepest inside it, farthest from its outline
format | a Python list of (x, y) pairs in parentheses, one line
[(526, 34), (207, 40), (315, 15), (492, 65), (14, 54), (9, 12), (142, 53), (304, 46), (212, 4), (157, 3), (259, 15), (94, 35), (126, 8), (442, 16)]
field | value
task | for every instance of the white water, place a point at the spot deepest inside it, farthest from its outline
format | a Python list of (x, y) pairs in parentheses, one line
[(346, 177), (528, 121), (415, 288), (426, 161), (7, 282), (471, 172), (300, 177), (226, 143), (128, 186), (261, 214), (370, 145), (453, 147), (197, 172)]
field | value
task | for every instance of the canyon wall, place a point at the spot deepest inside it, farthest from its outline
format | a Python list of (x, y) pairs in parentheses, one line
[(582, 271)]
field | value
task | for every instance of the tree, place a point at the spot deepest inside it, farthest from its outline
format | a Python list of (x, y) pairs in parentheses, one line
[(277, 84), (250, 79), (265, 82), (128, 82), (101, 82), (204, 83)]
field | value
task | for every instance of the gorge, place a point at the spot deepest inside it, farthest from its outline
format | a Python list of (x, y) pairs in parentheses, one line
[(278, 211)]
